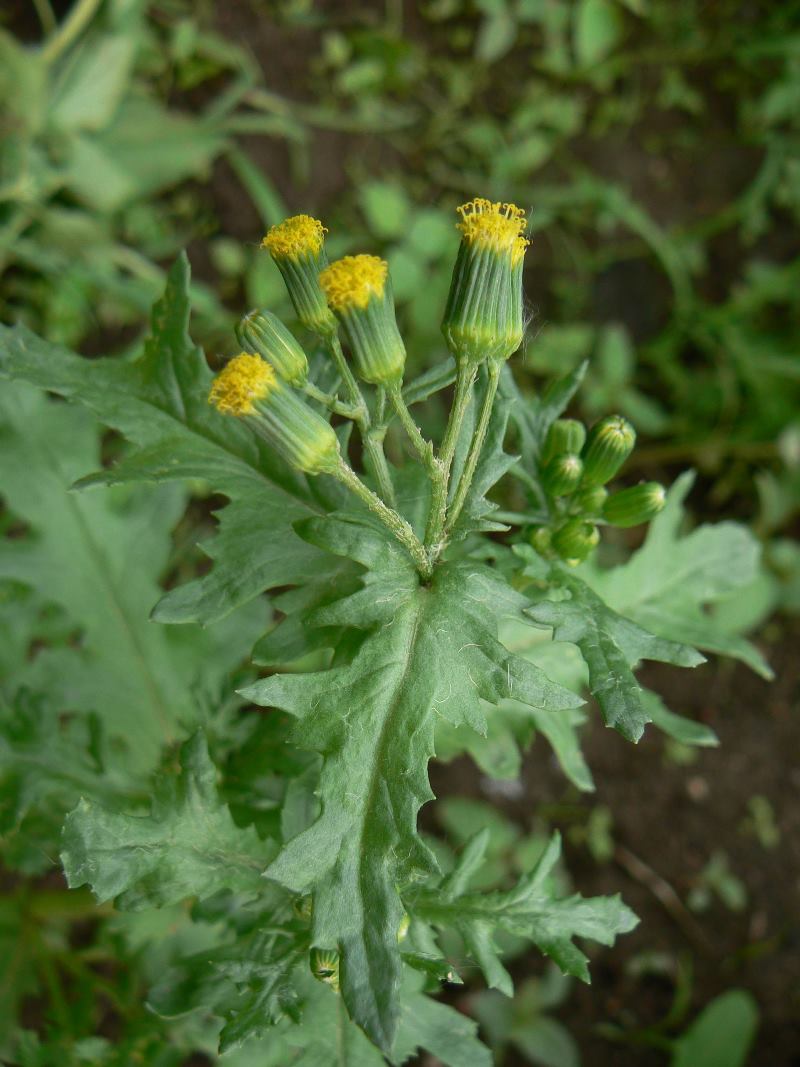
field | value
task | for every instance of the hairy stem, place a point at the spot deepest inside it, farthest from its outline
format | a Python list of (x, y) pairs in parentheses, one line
[(475, 449), (423, 448), (78, 19), (330, 402), (388, 516), (373, 442), (441, 473)]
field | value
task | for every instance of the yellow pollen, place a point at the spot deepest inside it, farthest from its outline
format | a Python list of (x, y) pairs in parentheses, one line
[(494, 225), (353, 281), (245, 379), (295, 237)]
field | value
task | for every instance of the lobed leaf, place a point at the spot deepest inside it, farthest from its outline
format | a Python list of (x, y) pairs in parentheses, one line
[(427, 652), (187, 846)]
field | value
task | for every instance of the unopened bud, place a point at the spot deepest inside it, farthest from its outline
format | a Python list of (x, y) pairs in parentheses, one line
[(575, 540), (359, 292), (249, 388), (590, 500), (541, 539), (297, 245), (483, 318), (264, 333), (562, 474), (324, 963), (636, 505), (608, 445), (565, 435)]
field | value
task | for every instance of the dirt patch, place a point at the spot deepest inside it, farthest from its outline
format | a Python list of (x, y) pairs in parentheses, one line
[(669, 819)]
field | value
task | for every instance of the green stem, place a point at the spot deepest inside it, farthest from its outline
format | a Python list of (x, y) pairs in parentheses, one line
[(441, 475), (76, 22), (46, 17), (330, 402), (388, 516), (423, 448), (373, 441), (476, 447)]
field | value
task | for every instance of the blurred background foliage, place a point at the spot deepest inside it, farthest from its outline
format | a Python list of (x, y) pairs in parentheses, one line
[(655, 144)]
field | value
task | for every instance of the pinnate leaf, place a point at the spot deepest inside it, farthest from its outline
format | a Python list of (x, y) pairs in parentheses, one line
[(187, 846), (611, 646), (427, 652)]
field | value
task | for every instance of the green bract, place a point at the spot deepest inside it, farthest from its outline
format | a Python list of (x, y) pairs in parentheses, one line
[(325, 919)]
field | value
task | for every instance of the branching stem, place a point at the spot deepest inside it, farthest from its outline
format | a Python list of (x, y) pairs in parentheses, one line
[(373, 442), (388, 516), (465, 379), (475, 449), (423, 448)]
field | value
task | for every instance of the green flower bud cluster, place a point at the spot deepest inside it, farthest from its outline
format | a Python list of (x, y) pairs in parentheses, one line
[(574, 469)]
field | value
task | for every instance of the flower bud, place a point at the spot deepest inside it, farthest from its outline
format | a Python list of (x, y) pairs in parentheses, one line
[(565, 435), (575, 540), (359, 293), (264, 333), (297, 245), (324, 963), (608, 445), (562, 474), (590, 499), (541, 540), (630, 507), (249, 388), (483, 318)]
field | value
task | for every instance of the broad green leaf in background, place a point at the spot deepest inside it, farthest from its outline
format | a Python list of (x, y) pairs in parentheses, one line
[(188, 846), (100, 557), (426, 653), (722, 1035), (667, 585), (159, 402)]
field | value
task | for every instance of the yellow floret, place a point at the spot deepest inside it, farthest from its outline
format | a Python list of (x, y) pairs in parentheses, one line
[(353, 281), (245, 379), (295, 237), (494, 225)]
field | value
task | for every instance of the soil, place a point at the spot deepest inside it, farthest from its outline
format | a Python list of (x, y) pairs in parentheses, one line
[(671, 818)]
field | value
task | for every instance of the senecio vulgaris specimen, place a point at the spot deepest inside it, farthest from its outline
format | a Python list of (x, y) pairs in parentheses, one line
[(483, 326), (397, 616)]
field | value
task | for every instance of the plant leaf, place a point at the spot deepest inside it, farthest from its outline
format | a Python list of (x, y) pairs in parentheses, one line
[(159, 402), (529, 910), (722, 1035), (187, 846), (611, 646), (100, 556), (427, 652), (668, 584)]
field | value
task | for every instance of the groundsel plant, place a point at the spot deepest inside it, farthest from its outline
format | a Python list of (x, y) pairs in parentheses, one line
[(399, 589)]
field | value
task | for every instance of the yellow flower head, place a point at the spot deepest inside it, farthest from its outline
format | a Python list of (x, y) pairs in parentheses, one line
[(494, 225), (295, 237), (353, 281), (245, 379)]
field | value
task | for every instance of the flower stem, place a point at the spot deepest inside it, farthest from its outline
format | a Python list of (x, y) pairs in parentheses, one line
[(330, 402), (476, 447), (423, 448), (373, 442), (76, 21), (388, 516), (441, 475)]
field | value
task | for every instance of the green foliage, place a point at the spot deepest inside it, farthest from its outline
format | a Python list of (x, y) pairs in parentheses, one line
[(722, 1035), (316, 844)]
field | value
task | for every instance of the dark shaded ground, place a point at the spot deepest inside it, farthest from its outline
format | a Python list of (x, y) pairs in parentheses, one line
[(671, 818)]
